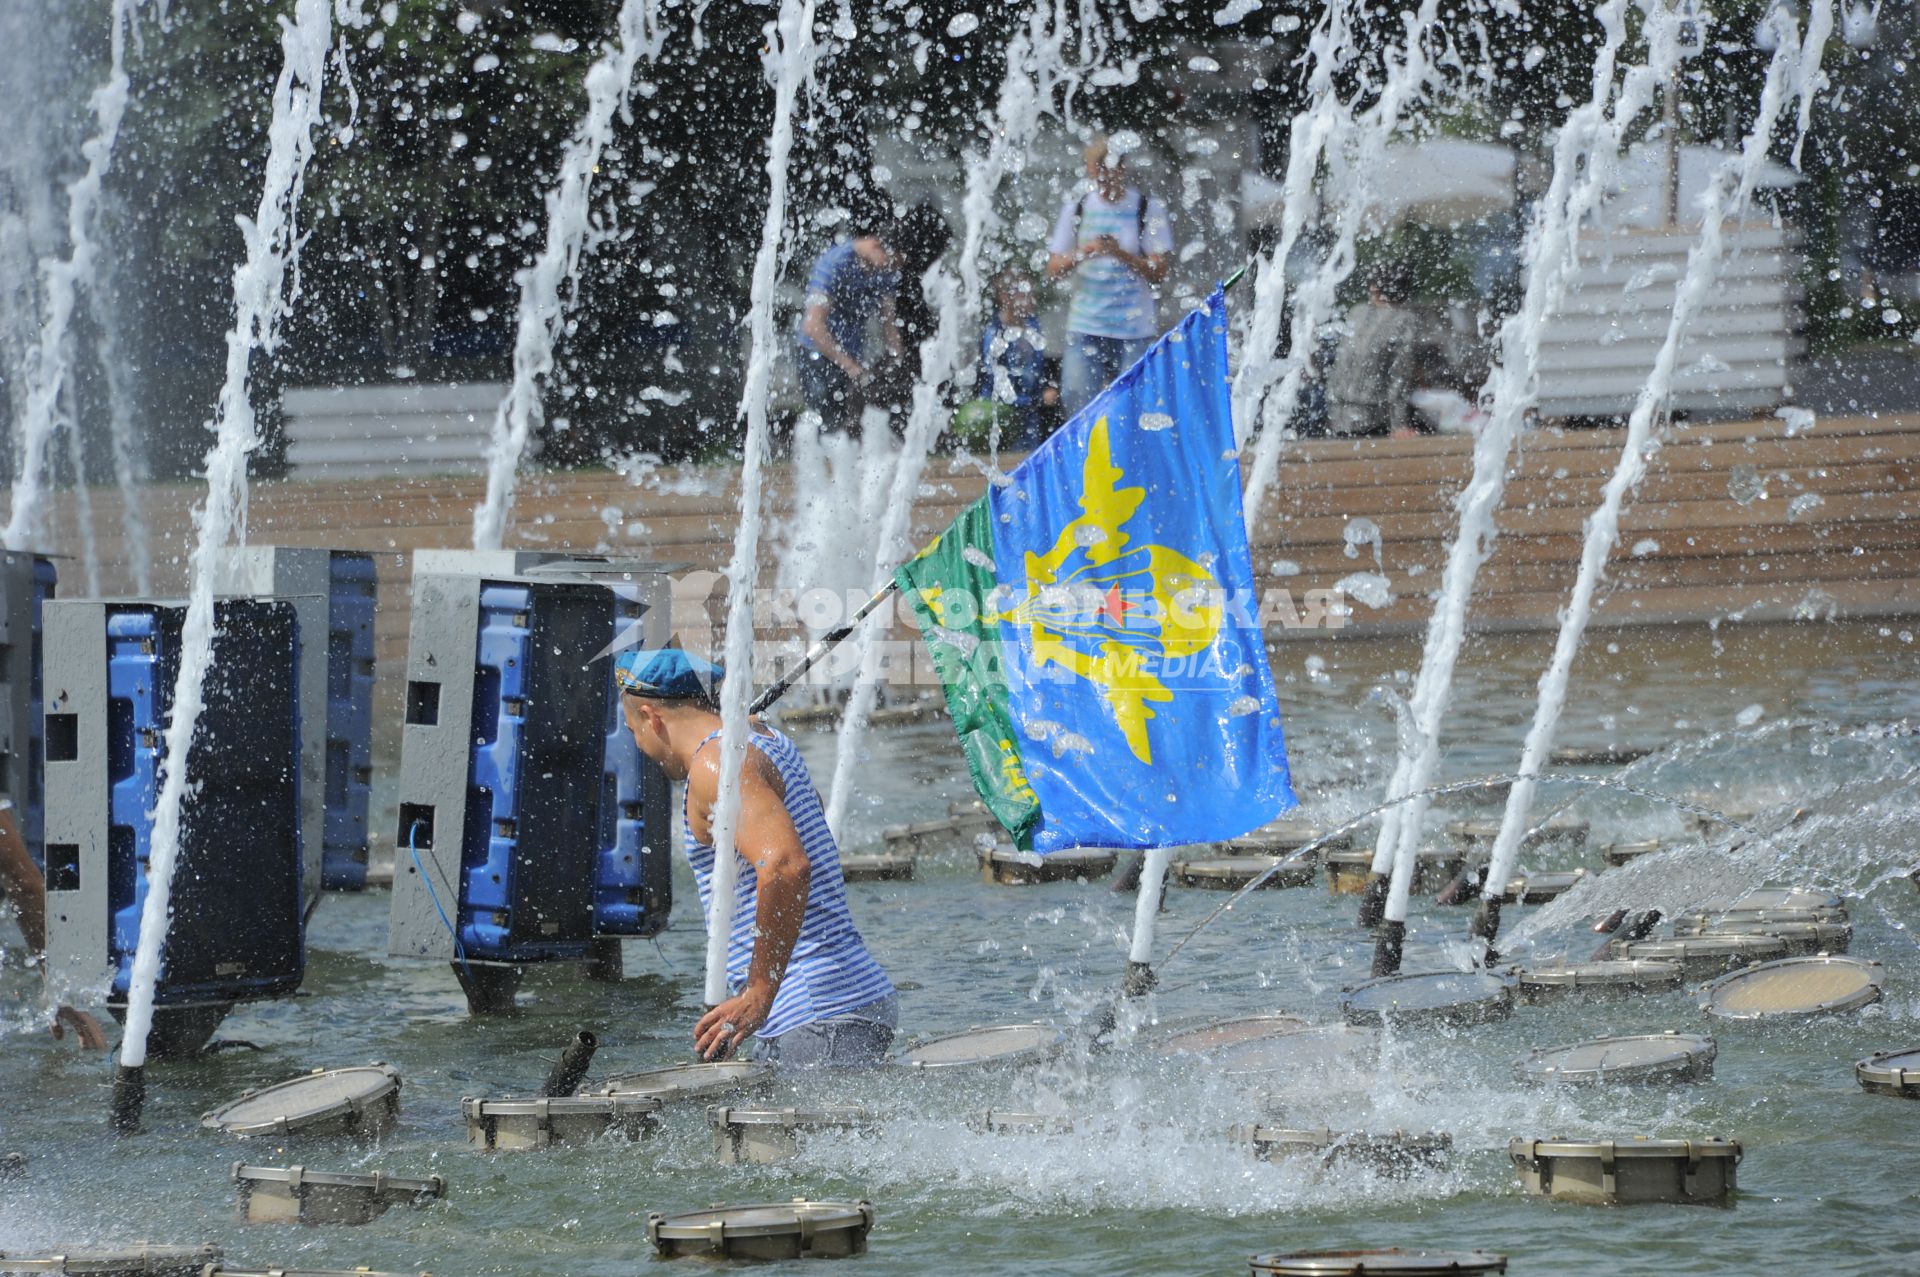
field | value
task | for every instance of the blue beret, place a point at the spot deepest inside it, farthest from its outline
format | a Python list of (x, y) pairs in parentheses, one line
[(666, 672)]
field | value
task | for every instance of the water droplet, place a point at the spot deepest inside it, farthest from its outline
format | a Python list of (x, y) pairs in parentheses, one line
[(1799, 421), (1087, 535), (1359, 532), (1745, 485)]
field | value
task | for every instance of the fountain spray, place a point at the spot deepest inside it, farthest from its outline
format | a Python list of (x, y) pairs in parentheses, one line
[(543, 307), (260, 303), (65, 278), (1585, 152), (82, 495), (1731, 187), (1356, 151), (129, 469), (1012, 129), (1329, 49), (788, 62)]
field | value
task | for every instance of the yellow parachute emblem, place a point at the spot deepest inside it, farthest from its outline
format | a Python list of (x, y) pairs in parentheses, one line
[(1105, 648)]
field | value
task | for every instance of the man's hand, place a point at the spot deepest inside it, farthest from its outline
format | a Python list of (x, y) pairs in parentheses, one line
[(722, 1030), (86, 1029)]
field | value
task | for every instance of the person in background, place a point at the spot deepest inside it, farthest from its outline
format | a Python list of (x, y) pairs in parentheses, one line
[(1116, 242), (850, 284), (1013, 360), (799, 976), (1369, 391)]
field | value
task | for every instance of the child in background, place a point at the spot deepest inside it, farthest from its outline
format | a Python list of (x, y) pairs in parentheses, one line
[(1013, 364)]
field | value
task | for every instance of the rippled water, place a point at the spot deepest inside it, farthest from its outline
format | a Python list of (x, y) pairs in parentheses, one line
[(1147, 1182)]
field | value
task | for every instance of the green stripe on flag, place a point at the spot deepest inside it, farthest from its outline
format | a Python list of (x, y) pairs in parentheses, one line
[(949, 589)]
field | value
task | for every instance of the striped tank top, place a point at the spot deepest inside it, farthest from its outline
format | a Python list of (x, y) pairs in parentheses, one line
[(830, 971)]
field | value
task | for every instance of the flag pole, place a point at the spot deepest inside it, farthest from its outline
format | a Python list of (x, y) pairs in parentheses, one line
[(826, 643)]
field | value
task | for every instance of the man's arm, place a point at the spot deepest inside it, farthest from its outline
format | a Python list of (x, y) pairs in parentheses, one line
[(1151, 267), (22, 884), (768, 841), (21, 880), (815, 327), (1063, 252)]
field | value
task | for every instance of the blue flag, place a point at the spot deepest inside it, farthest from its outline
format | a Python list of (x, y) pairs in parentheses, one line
[(1111, 688)]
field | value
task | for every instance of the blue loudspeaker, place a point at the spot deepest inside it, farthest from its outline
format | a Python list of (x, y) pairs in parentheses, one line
[(633, 870), (502, 776), (350, 608), (332, 592), (236, 932)]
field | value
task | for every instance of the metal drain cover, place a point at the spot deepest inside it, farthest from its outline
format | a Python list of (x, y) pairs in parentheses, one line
[(1891, 1072), (1002, 1044), (1641, 1059), (1397, 1262), (1794, 986), (1538, 984), (1218, 1035), (1429, 997)]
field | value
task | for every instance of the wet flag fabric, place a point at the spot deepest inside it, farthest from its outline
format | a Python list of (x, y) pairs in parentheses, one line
[(1091, 621)]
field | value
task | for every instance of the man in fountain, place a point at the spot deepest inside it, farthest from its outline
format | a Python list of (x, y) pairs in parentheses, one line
[(1115, 241), (851, 284), (799, 975)]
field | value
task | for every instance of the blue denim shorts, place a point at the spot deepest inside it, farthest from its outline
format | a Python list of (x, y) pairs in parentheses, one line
[(855, 1039)]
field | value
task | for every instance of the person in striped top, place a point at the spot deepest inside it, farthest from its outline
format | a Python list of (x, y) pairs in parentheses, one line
[(799, 976), (1115, 241)]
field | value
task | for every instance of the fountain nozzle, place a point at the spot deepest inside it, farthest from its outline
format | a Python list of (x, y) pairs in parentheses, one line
[(1140, 980), (1389, 948), (571, 1068), (1373, 900), (129, 1097), (1486, 925)]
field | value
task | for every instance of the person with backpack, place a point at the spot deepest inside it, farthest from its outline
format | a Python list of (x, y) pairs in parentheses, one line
[(1115, 240)]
